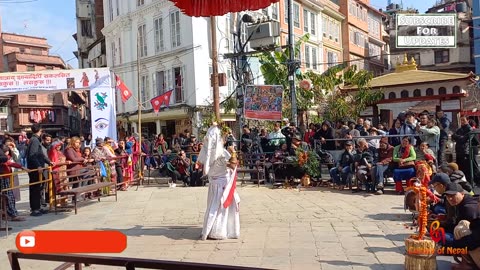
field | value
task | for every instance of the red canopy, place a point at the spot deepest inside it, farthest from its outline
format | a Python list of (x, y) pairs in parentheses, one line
[(207, 8)]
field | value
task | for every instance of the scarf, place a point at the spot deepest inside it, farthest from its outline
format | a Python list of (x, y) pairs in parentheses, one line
[(405, 151)]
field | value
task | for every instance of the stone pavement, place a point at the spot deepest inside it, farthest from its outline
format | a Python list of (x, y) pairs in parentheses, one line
[(316, 228)]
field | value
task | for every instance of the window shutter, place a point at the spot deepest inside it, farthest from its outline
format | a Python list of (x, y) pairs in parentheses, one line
[(154, 84)]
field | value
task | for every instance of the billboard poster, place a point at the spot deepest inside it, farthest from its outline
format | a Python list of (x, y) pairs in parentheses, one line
[(97, 80), (263, 102)]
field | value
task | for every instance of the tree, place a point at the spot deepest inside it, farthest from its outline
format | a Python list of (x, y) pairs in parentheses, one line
[(340, 104), (274, 68)]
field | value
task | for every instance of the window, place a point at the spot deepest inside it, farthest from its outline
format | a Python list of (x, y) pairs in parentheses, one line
[(307, 56), (442, 57), (285, 4), (30, 68), (86, 28), (114, 53), (296, 15), (429, 92), (142, 40), (49, 68), (404, 94), (374, 51), (456, 89), (332, 59), (442, 91), (417, 93), (160, 83), (110, 9), (36, 51), (324, 25), (358, 39), (32, 98), (178, 80), (159, 44), (119, 44), (51, 97), (313, 23), (4, 124), (140, 3), (392, 95), (265, 11), (144, 89), (314, 58), (175, 28), (22, 50), (4, 109), (373, 26), (275, 11), (305, 20), (117, 5)]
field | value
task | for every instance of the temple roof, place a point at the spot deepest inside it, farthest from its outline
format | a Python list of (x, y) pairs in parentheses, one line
[(413, 77)]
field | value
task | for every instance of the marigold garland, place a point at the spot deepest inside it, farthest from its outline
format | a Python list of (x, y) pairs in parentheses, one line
[(422, 212)]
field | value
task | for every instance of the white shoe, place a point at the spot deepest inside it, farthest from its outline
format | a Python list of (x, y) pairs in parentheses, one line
[(169, 184), (174, 185)]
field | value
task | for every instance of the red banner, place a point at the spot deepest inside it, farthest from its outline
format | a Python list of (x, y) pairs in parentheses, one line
[(163, 99), (263, 102), (124, 91)]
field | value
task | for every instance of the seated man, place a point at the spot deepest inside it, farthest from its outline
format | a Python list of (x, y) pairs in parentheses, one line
[(465, 208), (457, 176), (385, 154), (340, 173), (364, 160)]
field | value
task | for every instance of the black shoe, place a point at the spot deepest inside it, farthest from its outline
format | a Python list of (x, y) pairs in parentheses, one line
[(36, 213), (44, 211)]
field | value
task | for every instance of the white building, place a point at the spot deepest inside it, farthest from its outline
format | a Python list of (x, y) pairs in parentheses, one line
[(174, 54)]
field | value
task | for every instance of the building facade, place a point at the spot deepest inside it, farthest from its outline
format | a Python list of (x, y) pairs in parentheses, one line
[(27, 53), (89, 36), (364, 42), (154, 48)]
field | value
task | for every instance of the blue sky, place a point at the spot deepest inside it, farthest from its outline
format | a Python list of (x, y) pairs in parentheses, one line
[(51, 19), (421, 5)]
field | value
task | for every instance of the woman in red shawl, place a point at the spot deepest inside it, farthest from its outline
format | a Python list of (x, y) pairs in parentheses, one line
[(404, 157), (59, 173)]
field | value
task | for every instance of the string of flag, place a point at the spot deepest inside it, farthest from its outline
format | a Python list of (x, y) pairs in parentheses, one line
[(157, 102)]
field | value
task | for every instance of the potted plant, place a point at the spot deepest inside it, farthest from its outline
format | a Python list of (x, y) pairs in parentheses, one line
[(309, 161)]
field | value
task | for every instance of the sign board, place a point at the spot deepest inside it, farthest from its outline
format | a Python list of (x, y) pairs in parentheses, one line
[(263, 102), (451, 105), (426, 30), (97, 80)]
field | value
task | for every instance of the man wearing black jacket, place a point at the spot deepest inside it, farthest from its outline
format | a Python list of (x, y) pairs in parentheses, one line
[(36, 159), (465, 208)]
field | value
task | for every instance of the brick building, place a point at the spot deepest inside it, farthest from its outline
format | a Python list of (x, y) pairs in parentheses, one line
[(55, 112)]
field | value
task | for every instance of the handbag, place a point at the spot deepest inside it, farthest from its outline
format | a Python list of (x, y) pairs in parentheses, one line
[(103, 170)]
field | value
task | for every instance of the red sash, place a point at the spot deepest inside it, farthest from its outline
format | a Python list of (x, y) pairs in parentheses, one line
[(230, 196)]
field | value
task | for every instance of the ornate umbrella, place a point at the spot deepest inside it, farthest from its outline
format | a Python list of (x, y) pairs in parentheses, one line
[(207, 8)]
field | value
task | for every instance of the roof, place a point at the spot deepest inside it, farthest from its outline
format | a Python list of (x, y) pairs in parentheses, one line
[(413, 77), (39, 59)]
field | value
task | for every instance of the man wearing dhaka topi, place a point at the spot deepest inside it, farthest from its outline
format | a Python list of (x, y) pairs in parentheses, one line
[(222, 218)]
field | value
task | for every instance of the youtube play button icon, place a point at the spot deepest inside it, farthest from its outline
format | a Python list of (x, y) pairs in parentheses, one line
[(26, 241)]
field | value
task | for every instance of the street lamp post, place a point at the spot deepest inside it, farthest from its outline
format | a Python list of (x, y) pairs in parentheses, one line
[(291, 63), (139, 104)]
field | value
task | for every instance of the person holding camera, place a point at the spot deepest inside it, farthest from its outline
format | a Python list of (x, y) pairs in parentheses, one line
[(182, 169)]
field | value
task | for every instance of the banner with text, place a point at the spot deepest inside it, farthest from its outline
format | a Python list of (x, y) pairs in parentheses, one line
[(263, 102), (97, 80)]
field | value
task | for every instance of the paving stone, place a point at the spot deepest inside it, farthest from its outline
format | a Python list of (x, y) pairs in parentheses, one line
[(280, 228)]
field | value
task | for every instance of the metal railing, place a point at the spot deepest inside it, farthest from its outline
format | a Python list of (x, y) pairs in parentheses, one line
[(77, 261)]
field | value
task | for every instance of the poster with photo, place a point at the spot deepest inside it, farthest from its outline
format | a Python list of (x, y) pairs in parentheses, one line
[(263, 102)]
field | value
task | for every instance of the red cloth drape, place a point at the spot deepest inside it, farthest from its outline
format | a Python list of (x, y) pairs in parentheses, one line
[(206, 8)]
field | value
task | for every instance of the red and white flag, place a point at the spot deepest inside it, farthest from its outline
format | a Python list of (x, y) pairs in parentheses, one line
[(124, 91), (163, 99)]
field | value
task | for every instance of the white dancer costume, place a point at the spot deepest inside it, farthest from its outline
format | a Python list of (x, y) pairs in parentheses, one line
[(222, 218)]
